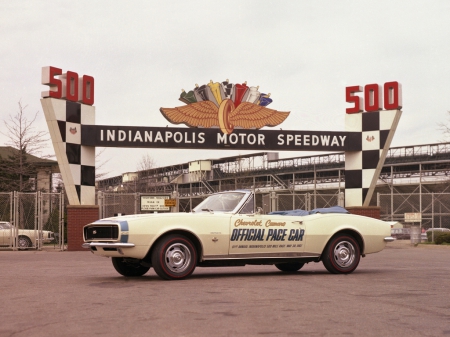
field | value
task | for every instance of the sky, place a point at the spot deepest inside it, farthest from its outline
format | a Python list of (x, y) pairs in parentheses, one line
[(305, 53)]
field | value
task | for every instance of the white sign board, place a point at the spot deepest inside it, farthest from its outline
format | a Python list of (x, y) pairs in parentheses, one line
[(154, 203), (413, 217)]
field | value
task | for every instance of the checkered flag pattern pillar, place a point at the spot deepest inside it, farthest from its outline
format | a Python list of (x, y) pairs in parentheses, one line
[(362, 168), (76, 162)]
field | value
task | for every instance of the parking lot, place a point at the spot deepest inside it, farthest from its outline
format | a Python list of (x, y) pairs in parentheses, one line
[(402, 291)]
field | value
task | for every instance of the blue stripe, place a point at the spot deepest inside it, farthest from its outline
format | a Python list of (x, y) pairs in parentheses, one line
[(124, 226)]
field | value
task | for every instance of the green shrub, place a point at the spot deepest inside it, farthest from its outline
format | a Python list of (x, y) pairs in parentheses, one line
[(441, 238), (436, 235)]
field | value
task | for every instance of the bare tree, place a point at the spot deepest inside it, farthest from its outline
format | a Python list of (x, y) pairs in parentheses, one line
[(145, 163), (22, 137), (143, 166), (99, 173), (445, 128)]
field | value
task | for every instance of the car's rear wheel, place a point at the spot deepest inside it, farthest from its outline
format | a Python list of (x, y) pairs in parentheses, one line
[(289, 267), (128, 267), (341, 255), (24, 242), (174, 257)]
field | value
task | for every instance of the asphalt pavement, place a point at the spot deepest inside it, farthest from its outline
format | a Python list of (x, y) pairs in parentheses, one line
[(401, 291)]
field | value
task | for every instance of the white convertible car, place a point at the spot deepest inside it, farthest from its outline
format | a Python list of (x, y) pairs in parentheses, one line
[(225, 230)]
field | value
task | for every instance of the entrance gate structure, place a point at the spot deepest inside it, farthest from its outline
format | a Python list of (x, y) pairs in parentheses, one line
[(220, 116)]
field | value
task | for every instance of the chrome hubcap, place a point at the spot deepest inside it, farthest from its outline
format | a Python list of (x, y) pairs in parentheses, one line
[(344, 254), (178, 257), (22, 243)]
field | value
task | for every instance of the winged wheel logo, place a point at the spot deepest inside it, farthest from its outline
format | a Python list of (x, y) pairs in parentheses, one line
[(226, 106)]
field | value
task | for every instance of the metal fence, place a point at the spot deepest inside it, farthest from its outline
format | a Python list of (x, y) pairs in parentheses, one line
[(6, 207), (112, 204), (30, 216), (433, 207), (308, 201)]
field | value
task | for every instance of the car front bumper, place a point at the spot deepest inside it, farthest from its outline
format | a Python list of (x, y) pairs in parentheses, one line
[(107, 245)]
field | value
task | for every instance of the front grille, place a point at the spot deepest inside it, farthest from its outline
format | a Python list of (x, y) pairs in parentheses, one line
[(106, 232)]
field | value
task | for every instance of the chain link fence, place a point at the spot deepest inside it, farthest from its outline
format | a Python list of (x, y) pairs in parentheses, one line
[(113, 204), (39, 212), (434, 208), (51, 215), (6, 207), (31, 220)]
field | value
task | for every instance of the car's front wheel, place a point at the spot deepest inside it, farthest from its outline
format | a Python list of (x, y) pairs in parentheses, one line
[(127, 267), (341, 255), (289, 267), (24, 242), (174, 257)]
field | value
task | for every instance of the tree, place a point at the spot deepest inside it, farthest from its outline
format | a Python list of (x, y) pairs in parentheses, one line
[(143, 166), (16, 167), (8, 180), (99, 173), (445, 128), (146, 163)]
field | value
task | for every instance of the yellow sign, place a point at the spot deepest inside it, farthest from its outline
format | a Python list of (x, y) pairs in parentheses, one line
[(170, 202)]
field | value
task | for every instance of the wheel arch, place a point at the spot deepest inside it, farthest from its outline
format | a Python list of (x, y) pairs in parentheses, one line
[(351, 232), (21, 236), (191, 236), (27, 238)]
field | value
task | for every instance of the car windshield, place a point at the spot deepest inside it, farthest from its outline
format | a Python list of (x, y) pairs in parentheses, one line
[(5, 225), (222, 202)]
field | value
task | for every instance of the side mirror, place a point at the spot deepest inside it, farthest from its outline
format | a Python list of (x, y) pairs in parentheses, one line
[(259, 210)]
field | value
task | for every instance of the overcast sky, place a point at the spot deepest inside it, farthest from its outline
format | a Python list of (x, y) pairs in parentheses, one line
[(142, 53)]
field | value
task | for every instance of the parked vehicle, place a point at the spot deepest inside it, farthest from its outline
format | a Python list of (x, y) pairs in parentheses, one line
[(429, 230), (26, 238), (401, 233), (226, 230)]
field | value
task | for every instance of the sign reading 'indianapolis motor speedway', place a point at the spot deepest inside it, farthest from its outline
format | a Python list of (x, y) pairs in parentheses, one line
[(219, 115), (202, 138)]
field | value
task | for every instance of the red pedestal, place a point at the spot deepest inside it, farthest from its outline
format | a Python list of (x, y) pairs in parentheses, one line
[(77, 218), (370, 211)]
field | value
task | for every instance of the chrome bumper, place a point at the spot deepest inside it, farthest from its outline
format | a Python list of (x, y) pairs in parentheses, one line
[(107, 245), (389, 239)]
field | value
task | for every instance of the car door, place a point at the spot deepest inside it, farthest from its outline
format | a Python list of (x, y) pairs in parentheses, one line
[(257, 235), (5, 234), (213, 231)]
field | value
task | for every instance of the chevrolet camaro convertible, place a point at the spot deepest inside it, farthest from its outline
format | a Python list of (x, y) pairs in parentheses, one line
[(225, 230)]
